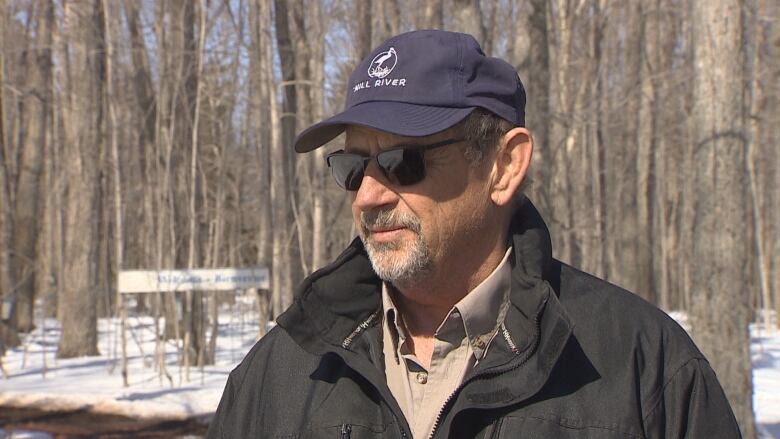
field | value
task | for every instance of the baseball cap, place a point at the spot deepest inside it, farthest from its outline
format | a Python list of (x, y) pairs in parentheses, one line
[(420, 83)]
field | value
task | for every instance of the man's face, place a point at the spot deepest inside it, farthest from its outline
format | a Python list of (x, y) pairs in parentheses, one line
[(409, 231)]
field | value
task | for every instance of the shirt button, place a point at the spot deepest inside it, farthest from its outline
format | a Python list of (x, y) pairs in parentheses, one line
[(422, 377)]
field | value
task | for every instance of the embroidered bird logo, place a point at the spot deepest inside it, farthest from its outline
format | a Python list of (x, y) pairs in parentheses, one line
[(383, 64)]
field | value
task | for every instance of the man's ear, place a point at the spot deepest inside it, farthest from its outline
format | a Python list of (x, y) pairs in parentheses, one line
[(510, 167)]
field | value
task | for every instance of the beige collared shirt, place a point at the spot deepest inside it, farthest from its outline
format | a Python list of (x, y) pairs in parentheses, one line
[(460, 342)]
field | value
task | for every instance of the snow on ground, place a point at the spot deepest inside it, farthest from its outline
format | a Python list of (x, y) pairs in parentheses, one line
[(21, 434), (765, 352), (96, 382), (38, 379)]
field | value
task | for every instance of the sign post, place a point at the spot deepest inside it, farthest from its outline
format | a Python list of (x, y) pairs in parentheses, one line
[(163, 281)]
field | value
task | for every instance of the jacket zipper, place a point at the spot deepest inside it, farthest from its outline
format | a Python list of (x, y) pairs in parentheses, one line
[(528, 353), (346, 431), (360, 328), (496, 428)]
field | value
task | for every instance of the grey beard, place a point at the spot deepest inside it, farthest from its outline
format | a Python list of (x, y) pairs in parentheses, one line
[(390, 261)]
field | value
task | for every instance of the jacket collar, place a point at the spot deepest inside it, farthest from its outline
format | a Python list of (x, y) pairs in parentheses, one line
[(331, 303)]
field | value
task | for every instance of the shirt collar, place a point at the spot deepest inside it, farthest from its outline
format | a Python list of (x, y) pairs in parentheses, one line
[(481, 311), (392, 322)]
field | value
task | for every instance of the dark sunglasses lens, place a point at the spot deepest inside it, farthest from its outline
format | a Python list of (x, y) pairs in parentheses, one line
[(347, 170), (403, 166)]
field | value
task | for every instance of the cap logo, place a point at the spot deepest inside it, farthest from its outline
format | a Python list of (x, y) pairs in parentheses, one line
[(383, 64)]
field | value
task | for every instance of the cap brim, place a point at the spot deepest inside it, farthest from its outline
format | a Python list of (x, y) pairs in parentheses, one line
[(398, 118)]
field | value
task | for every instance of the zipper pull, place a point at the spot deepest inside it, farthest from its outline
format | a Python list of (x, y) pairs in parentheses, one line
[(346, 431)]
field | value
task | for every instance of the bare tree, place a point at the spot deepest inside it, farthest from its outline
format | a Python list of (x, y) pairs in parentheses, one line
[(364, 21), (28, 206), (771, 119), (721, 281), (534, 71), (283, 168), (387, 20), (193, 335), (468, 18), (83, 121), (8, 334), (318, 171), (757, 153), (432, 16), (261, 133)]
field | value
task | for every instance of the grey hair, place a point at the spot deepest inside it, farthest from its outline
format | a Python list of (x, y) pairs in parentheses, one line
[(482, 132)]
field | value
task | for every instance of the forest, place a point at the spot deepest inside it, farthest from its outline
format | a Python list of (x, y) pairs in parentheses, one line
[(139, 134)]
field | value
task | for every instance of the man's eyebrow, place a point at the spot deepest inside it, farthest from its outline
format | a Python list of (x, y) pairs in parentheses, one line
[(404, 143), (399, 144), (356, 149), (412, 141)]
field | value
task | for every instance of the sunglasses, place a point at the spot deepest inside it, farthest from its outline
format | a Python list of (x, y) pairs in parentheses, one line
[(401, 165)]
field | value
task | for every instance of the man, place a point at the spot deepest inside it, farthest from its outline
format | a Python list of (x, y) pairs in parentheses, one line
[(449, 317)]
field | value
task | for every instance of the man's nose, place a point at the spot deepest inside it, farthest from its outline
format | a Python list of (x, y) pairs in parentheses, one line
[(374, 190)]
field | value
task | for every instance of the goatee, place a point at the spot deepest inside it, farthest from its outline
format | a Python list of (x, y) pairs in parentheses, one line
[(397, 262)]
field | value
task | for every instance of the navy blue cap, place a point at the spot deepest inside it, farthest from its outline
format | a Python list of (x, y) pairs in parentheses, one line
[(420, 83)]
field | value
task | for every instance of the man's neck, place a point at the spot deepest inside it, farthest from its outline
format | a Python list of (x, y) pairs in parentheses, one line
[(426, 303)]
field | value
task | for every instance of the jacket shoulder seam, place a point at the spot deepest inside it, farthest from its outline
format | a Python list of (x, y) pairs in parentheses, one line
[(657, 395)]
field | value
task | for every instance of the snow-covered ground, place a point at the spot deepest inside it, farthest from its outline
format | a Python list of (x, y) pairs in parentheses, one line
[(765, 352), (38, 379)]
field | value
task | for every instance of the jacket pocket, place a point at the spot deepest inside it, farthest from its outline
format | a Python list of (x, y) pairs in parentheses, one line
[(348, 430), (534, 427)]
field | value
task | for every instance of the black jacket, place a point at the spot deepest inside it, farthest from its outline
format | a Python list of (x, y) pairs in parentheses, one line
[(576, 358)]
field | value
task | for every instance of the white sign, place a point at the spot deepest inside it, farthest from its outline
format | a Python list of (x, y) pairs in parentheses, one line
[(219, 279)]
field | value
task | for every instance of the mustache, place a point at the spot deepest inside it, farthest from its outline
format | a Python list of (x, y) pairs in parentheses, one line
[(388, 218)]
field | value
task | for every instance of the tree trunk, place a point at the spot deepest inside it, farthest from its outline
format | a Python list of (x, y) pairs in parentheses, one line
[(561, 142), (467, 15), (364, 19), (8, 334), (318, 169), (301, 175), (146, 116), (536, 77), (278, 179), (262, 125), (30, 170), (47, 278), (162, 167), (772, 112), (646, 144), (386, 21), (194, 331), (720, 275), (116, 171), (432, 16), (754, 157), (83, 121), (284, 257)]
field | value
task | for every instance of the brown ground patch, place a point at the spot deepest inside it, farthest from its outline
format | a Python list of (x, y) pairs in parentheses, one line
[(83, 424)]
